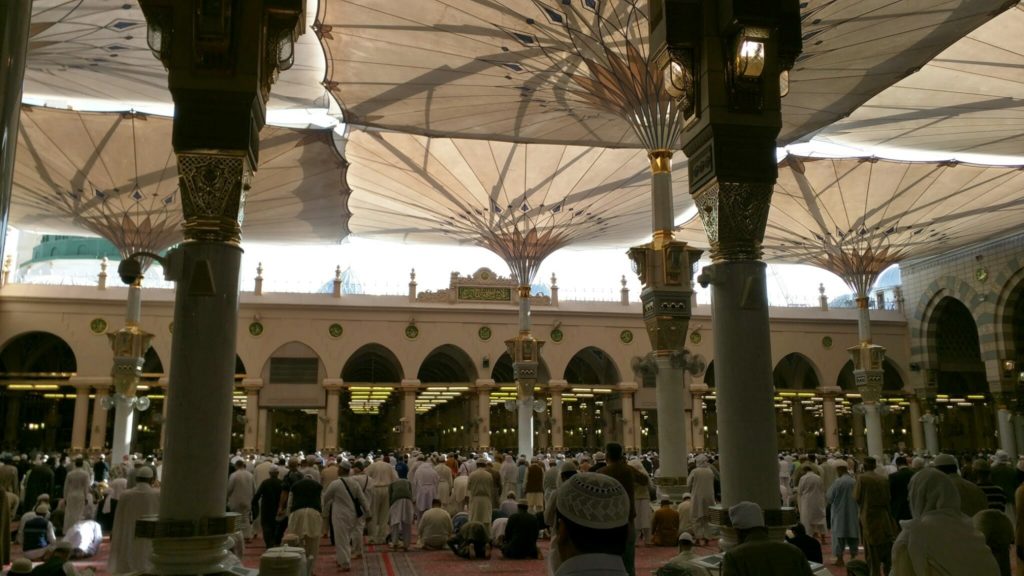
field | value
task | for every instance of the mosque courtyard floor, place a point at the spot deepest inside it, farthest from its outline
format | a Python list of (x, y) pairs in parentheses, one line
[(381, 561)]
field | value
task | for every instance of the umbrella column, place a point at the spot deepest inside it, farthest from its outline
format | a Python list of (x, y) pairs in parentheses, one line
[(525, 352), (722, 63), (221, 60), (867, 375), (129, 345), (664, 267)]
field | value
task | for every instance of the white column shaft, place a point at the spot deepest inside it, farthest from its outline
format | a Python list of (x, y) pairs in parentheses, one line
[(124, 422), (916, 429), (80, 425), (628, 424), (931, 435), (98, 434), (672, 422), (202, 380), (252, 401), (873, 423), (831, 426), (331, 437), (744, 389), (557, 421), (484, 414), (1007, 435), (524, 423)]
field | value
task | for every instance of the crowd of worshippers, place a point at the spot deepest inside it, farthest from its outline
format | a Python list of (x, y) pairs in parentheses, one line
[(910, 516)]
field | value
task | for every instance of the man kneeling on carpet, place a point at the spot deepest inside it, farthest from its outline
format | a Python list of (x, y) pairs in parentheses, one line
[(473, 539)]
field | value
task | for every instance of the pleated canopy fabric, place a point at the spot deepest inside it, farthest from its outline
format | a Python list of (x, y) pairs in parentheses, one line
[(528, 70), (857, 216), (97, 50), (114, 175), (967, 100), (522, 201)]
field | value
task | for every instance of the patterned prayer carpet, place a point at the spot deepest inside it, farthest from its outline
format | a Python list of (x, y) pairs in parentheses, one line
[(381, 561)]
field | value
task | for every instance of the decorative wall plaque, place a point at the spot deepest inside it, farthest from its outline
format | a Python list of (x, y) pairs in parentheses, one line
[(335, 330), (626, 336), (256, 328), (484, 333), (98, 325)]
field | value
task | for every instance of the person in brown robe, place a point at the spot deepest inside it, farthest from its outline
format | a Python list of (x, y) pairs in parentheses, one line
[(877, 528)]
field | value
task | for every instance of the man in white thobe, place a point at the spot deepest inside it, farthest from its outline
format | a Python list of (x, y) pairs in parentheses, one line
[(425, 487), (241, 489), (126, 553), (76, 494), (811, 499), (444, 482), (339, 504), (382, 474)]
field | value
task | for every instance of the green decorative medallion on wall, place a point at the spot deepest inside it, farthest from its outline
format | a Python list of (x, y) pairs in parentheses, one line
[(557, 335), (695, 337), (626, 336), (98, 325), (826, 341), (335, 330), (411, 331), (981, 274), (256, 328), (484, 333)]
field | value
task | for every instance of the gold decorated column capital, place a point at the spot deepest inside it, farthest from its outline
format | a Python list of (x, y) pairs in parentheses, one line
[(734, 215), (661, 160), (212, 194)]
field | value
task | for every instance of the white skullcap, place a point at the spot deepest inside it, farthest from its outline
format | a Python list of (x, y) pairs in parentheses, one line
[(701, 459), (745, 515), (686, 537), (593, 501), (599, 456), (144, 473), (944, 460)]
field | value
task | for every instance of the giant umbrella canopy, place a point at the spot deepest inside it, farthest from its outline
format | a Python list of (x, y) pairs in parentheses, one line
[(114, 175)]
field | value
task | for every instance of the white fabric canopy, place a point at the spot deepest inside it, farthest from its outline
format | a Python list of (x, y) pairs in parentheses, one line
[(114, 174)]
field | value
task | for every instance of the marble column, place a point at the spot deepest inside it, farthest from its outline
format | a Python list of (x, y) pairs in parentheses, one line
[(626, 391), (80, 424), (408, 420), (698, 390), (638, 423), (14, 37), (321, 429), (916, 429), (263, 431), (555, 389), (799, 433), (483, 413), (252, 387), (334, 387), (828, 416), (163, 412), (98, 434), (858, 432)]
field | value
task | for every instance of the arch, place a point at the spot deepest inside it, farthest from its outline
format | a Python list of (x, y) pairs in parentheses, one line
[(922, 328), (293, 363), (845, 379), (592, 365), (503, 373), (151, 364), (372, 363), (239, 366), (37, 352), (709, 375), (1009, 317), (796, 371), (447, 363)]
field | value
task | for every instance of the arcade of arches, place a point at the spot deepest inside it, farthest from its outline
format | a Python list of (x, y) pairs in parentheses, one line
[(458, 398)]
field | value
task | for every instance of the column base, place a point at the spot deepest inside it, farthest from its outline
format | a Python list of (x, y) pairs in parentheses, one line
[(776, 521), (671, 487), (183, 547)]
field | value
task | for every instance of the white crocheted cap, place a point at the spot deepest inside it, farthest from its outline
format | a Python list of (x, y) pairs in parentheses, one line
[(745, 515), (593, 500)]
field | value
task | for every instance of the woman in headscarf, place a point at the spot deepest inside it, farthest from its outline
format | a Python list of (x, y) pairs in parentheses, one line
[(939, 540)]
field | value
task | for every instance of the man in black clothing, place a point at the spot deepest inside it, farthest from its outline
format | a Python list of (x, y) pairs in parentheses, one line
[(808, 545), (521, 534), (899, 489), (100, 469), (267, 497)]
